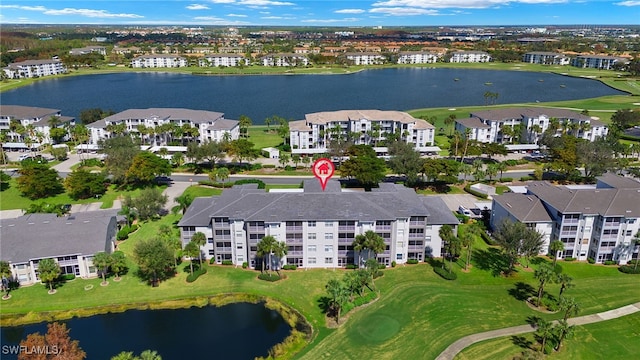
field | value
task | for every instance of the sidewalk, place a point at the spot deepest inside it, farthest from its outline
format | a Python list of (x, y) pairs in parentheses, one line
[(452, 350)]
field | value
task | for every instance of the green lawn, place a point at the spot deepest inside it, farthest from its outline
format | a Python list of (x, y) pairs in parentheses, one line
[(202, 191), (613, 339), (418, 313), (262, 138)]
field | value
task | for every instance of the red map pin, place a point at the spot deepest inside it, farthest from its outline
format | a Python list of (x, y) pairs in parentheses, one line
[(323, 169)]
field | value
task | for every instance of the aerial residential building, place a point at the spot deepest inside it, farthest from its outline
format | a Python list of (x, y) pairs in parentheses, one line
[(597, 223), (32, 125), (212, 126), (159, 61), (284, 60), (546, 58), (417, 57), (371, 127), (602, 62), (88, 50), (318, 226), (488, 126), (34, 68), (229, 60), (71, 241), (365, 58), (470, 57)]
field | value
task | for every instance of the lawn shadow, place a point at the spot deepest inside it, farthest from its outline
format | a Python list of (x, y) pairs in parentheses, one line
[(522, 291), (490, 259), (522, 342), (324, 303)]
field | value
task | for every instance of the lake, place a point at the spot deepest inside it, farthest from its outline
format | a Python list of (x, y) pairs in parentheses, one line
[(234, 331), (293, 96)]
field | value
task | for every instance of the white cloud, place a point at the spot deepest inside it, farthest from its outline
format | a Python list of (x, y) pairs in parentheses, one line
[(264, 3), (237, 15), (403, 11), (90, 13), (198, 7), (27, 8), (349, 11), (629, 3), (277, 18), (466, 4), (208, 18), (330, 21), (223, 1)]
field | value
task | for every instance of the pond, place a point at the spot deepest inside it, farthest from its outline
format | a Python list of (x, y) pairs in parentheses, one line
[(234, 331), (293, 96)]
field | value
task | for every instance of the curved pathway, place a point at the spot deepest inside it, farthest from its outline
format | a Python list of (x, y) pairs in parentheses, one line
[(452, 350)]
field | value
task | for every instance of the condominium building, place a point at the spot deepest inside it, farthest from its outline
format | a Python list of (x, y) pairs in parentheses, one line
[(88, 50), (365, 58), (212, 126), (159, 61), (602, 62), (526, 125), (318, 226), (284, 60), (470, 57), (417, 57), (32, 125), (597, 223), (545, 58), (215, 60), (34, 68), (371, 127), (71, 241)]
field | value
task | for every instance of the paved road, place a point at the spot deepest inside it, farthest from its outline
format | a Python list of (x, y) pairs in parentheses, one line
[(453, 349)]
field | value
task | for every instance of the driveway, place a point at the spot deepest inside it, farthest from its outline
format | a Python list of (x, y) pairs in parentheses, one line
[(455, 200), (174, 190)]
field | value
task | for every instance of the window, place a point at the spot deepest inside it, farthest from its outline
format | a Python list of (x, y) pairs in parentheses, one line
[(210, 240), (211, 252), (311, 260), (239, 246), (328, 260), (328, 236), (328, 223), (311, 224), (398, 256), (311, 236), (311, 248), (328, 248), (629, 233)]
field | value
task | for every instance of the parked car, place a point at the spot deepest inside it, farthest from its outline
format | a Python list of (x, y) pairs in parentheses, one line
[(464, 211)]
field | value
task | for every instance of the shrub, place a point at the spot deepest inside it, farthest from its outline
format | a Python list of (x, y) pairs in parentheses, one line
[(269, 166), (269, 277), (511, 162), (610, 262), (506, 179), (549, 303), (351, 266), (289, 267), (196, 274), (393, 263), (487, 239), (475, 193), (569, 259), (412, 261), (245, 265), (629, 269), (445, 274), (261, 184), (378, 274), (67, 277), (591, 260), (227, 262), (462, 218), (123, 234), (212, 261), (526, 178)]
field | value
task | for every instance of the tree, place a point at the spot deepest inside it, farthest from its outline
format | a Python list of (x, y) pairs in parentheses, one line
[(492, 149), (102, 261), (59, 153), (626, 118), (222, 173), (146, 166), (509, 235), (242, 149), (264, 249), (192, 250), (596, 157), (563, 330), (200, 239), (38, 181), (565, 282), (82, 184), (531, 245), (338, 295), (57, 337), (370, 241), (120, 152), (147, 204), (466, 239), (569, 307), (405, 160), (554, 248), (544, 329), (449, 121), (155, 259), (544, 274), (279, 250), (372, 265), (5, 277), (244, 122), (48, 270), (118, 263), (4, 180), (365, 166)]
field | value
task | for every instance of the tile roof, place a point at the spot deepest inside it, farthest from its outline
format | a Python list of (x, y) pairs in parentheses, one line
[(354, 115), (526, 112), (473, 123), (196, 116), (20, 112)]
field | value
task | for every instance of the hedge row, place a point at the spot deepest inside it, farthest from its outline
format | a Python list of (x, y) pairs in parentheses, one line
[(475, 193), (269, 277), (196, 274), (412, 261), (289, 267), (123, 234), (627, 269)]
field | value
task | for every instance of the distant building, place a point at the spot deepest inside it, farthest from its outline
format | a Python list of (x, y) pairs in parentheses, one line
[(229, 60), (313, 134), (88, 50), (470, 57), (365, 58), (34, 69), (319, 227), (159, 61), (284, 60), (601, 62), (212, 126), (545, 58), (35, 122), (417, 57), (597, 223)]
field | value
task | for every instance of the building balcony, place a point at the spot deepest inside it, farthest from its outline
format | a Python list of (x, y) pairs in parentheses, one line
[(221, 226), (256, 229), (68, 262), (416, 236), (345, 241), (415, 248), (345, 252), (294, 229), (570, 221), (611, 225), (350, 228), (223, 249), (568, 233), (417, 223), (383, 227), (294, 253), (294, 241)]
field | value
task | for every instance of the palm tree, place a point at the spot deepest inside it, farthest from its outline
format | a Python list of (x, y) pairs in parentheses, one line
[(371, 242), (279, 250), (565, 282), (502, 167), (199, 239), (49, 271), (222, 173), (450, 120), (564, 330), (467, 133), (569, 306), (544, 329), (636, 242), (264, 248), (467, 241), (102, 261), (338, 295), (192, 250), (5, 274), (184, 201), (244, 123), (544, 274), (555, 247)]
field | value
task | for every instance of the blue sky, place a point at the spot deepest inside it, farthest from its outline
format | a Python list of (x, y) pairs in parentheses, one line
[(322, 13)]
